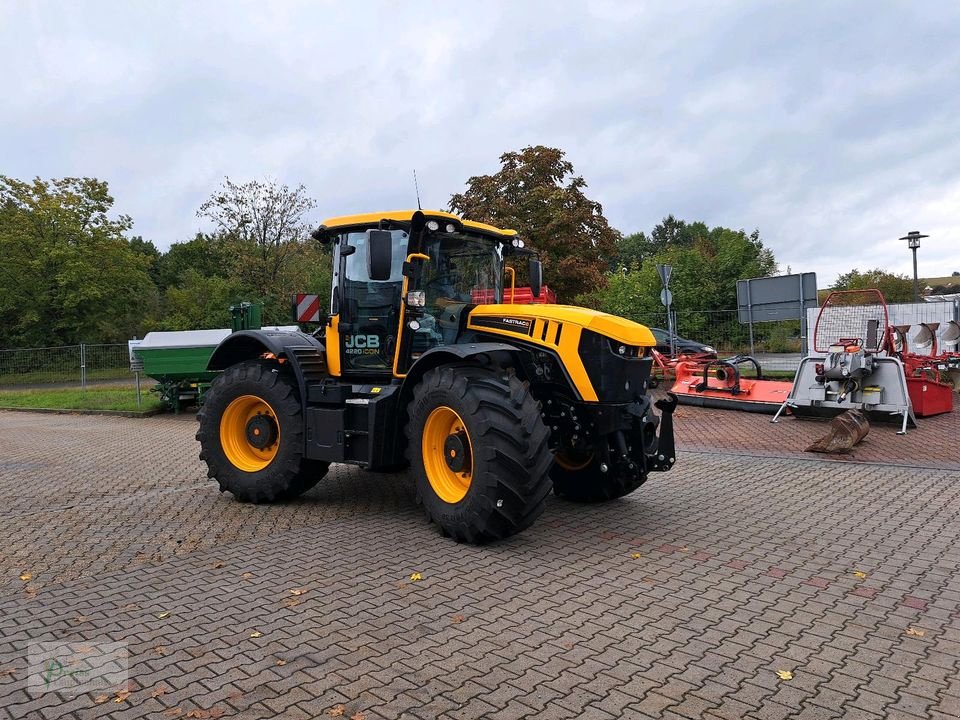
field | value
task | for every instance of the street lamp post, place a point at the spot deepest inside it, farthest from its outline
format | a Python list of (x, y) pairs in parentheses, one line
[(913, 242)]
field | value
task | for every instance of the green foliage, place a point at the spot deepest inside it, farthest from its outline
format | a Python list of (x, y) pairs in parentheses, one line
[(67, 272), (204, 254), (260, 248), (706, 266), (631, 251), (895, 288), (198, 302), (537, 194)]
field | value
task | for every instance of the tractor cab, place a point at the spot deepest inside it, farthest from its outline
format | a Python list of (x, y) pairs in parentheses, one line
[(402, 281)]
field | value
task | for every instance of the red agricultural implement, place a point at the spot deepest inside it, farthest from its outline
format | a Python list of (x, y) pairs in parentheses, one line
[(859, 362), (515, 296), (718, 383), (665, 365), (927, 371)]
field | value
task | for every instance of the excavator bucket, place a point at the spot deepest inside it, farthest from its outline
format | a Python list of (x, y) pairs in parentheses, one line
[(846, 430)]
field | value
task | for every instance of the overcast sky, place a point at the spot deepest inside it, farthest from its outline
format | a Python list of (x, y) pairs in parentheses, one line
[(832, 127)]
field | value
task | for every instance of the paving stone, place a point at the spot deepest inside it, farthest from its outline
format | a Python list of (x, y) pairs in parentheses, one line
[(117, 523)]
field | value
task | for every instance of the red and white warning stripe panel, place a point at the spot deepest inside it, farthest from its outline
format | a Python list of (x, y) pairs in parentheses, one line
[(308, 308)]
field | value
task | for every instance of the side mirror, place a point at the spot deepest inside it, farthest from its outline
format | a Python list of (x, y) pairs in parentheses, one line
[(379, 254), (535, 271)]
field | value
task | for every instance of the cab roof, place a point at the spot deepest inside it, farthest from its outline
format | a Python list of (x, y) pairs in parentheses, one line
[(367, 219)]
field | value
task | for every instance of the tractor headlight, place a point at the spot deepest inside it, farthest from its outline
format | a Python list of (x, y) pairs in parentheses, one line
[(433, 225), (416, 298), (414, 325), (450, 227), (622, 349)]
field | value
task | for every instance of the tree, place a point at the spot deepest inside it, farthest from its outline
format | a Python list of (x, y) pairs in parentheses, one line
[(706, 266), (67, 272), (198, 302), (205, 254), (262, 228), (631, 252), (262, 221), (895, 288), (537, 193), (670, 233)]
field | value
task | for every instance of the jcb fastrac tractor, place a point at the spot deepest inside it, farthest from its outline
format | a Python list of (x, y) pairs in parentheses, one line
[(491, 405)]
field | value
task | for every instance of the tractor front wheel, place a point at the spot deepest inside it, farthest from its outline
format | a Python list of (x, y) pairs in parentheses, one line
[(478, 450), (251, 434)]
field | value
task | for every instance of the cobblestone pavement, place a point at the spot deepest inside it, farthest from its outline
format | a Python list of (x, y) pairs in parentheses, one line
[(934, 443), (681, 601)]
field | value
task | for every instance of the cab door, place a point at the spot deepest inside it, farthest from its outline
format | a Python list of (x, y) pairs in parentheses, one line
[(368, 310)]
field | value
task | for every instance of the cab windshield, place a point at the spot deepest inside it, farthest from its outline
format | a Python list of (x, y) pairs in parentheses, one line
[(462, 269)]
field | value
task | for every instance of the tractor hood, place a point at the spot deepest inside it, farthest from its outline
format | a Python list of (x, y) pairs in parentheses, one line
[(611, 326), (599, 370)]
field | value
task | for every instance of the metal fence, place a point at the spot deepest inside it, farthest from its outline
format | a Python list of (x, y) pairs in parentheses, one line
[(777, 345), (65, 365)]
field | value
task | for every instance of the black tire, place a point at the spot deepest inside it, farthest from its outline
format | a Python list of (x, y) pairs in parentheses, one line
[(288, 474), (510, 456), (583, 480)]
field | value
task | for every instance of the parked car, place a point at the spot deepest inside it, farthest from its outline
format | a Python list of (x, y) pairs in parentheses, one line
[(684, 346)]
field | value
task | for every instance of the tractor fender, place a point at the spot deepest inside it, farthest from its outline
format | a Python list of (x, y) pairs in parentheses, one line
[(303, 353), (250, 344), (485, 353)]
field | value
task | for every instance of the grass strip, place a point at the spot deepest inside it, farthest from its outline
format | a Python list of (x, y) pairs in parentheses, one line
[(93, 398)]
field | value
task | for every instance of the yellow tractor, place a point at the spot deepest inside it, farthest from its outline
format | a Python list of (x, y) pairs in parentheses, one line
[(490, 405)]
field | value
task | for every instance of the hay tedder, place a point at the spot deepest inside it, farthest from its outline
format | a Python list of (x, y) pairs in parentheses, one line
[(490, 405)]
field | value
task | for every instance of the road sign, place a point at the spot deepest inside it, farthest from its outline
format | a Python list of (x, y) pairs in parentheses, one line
[(782, 297), (308, 308), (666, 297), (665, 271)]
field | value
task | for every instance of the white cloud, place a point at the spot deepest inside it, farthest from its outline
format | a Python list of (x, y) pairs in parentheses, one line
[(830, 128)]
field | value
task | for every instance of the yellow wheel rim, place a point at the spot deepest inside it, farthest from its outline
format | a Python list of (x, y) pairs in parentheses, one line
[(571, 460), (249, 433), (447, 454)]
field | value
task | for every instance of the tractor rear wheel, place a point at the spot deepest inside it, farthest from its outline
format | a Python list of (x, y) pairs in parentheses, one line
[(251, 434), (478, 450), (580, 477)]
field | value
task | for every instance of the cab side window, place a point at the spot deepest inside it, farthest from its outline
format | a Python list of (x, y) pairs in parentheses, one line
[(372, 306)]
